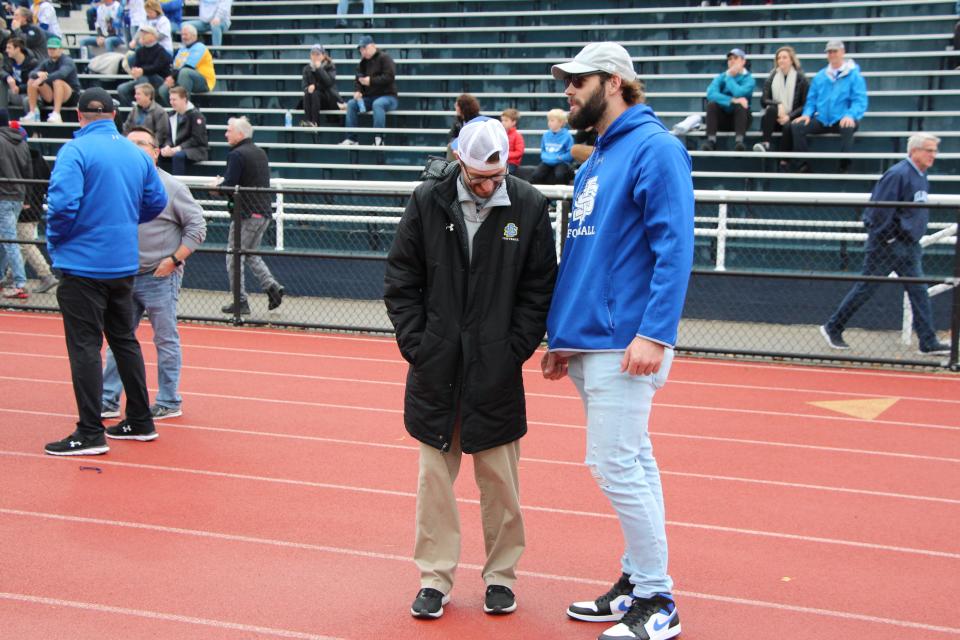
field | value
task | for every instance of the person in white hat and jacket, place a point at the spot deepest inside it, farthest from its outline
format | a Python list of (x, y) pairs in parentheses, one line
[(468, 283)]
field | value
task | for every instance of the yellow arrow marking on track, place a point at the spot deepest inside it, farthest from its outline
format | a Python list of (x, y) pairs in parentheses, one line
[(864, 409)]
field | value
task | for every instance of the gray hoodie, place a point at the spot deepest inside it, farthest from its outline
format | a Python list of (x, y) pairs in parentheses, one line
[(14, 163)]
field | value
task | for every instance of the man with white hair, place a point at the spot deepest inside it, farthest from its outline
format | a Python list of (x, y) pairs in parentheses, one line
[(247, 166), (467, 288), (893, 244), (614, 318)]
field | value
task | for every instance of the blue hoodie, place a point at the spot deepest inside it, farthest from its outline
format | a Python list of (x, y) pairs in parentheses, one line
[(555, 147), (629, 245), (101, 188), (832, 98)]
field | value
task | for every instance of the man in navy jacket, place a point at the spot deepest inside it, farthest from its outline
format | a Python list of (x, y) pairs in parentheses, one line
[(614, 317), (102, 187), (893, 244)]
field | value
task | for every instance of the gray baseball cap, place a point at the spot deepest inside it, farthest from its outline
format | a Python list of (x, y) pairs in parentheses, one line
[(834, 45), (608, 57)]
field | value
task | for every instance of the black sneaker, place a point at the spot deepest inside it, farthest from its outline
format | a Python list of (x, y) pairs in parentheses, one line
[(428, 603), (77, 445), (608, 607), (274, 296), (244, 308), (707, 146), (159, 412), (934, 349), (499, 600), (834, 338), (739, 146), (127, 431), (653, 618)]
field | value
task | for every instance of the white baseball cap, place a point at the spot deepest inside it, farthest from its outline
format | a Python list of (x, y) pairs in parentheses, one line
[(478, 140), (608, 57)]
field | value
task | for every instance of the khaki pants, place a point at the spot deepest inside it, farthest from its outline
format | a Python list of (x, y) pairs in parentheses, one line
[(31, 254), (437, 548)]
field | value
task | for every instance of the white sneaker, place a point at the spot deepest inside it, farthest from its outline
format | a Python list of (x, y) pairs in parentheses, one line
[(54, 117), (348, 142), (377, 141), (33, 116), (759, 147)]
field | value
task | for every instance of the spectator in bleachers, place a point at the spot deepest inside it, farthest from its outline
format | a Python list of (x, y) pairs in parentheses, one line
[(215, 18), (148, 114), (510, 119), (151, 63), (14, 164), (893, 244), (21, 26), (319, 82), (108, 25), (555, 157), (193, 67), (247, 166), (343, 9), (45, 16), (188, 133), (784, 94), (728, 102), (18, 64), (836, 102), (54, 81), (375, 89), (466, 108), (157, 20), (173, 10)]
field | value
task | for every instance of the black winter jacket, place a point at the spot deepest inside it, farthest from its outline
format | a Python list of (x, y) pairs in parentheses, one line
[(14, 164), (324, 78), (32, 210), (192, 134), (466, 328), (29, 64), (382, 73), (247, 166), (799, 94)]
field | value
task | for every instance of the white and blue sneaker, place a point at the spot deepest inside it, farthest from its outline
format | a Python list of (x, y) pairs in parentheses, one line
[(609, 607), (653, 618)]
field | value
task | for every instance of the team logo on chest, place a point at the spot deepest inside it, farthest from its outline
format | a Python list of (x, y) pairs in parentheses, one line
[(582, 209), (510, 232)]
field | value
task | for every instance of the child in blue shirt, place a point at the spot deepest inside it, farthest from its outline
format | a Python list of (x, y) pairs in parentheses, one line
[(555, 158)]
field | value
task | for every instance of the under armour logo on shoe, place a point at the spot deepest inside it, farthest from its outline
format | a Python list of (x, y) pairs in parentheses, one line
[(450, 227), (126, 428), (75, 443)]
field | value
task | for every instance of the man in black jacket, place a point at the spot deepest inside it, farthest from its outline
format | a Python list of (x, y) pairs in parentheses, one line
[(188, 132), (468, 284), (375, 89), (18, 64), (21, 26), (247, 166), (151, 63)]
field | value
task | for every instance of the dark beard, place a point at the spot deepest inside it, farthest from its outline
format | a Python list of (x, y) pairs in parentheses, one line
[(590, 113)]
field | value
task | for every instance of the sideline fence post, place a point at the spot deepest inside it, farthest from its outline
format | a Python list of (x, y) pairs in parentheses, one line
[(236, 265), (953, 363)]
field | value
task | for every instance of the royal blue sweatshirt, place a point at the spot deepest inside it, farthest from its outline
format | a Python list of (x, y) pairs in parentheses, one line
[(629, 246), (101, 188), (902, 182), (555, 147)]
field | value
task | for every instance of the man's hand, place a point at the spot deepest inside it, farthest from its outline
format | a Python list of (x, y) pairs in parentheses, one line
[(42, 76), (553, 366), (357, 96), (136, 72), (364, 80), (740, 101), (311, 88), (803, 120), (165, 268), (846, 122), (101, 41), (167, 151), (642, 357), (168, 81)]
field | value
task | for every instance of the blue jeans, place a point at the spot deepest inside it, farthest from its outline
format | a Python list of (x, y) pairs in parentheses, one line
[(111, 43), (10, 255), (343, 8), (620, 458), (216, 32), (905, 258), (190, 79), (158, 298), (379, 107)]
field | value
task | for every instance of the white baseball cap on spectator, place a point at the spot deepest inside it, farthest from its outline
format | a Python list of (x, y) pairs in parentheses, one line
[(606, 57), (481, 139)]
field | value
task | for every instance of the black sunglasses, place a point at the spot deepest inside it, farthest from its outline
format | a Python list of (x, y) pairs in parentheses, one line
[(578, 79)]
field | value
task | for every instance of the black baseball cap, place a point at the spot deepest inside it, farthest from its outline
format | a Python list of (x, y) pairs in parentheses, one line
[(95, 100)]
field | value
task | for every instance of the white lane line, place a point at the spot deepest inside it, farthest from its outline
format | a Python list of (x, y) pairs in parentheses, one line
[(529, 508), (159, 615), (475, 567)]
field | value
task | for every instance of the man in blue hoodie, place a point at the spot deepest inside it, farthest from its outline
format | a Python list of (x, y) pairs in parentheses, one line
[(728, 102), (836, 103), (101, 188), (613, 321)]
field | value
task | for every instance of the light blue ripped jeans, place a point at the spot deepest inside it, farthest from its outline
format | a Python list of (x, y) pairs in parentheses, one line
[(620, 458)]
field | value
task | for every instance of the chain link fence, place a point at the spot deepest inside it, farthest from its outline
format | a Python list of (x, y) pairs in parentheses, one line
[(769, 268)]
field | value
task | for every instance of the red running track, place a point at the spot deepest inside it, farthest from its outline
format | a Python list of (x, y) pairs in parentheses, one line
[(280, 505)]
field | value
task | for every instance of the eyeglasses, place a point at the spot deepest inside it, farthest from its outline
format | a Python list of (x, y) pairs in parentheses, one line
[(145, 143), (577, 80), (476, 181)]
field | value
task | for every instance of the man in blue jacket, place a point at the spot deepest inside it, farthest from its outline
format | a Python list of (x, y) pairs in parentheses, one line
[(836, 103), (728, 102), (101, 188), (613, 321), (893, 244)]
